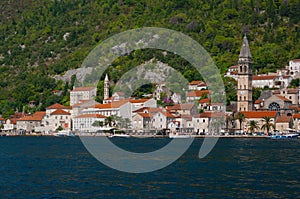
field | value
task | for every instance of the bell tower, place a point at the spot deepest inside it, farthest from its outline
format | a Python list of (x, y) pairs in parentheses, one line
[(244, 93), (106, 87)]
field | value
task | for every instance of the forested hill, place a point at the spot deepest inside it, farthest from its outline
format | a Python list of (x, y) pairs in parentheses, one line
[(43, 38)]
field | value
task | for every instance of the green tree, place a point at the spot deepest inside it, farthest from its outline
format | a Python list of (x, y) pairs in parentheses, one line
[(241, 118), (253, 125), (267, 124)]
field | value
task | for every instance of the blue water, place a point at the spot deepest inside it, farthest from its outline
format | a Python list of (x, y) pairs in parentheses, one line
[(51, 167)]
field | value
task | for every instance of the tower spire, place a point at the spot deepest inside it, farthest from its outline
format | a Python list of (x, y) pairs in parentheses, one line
[(245, 49)]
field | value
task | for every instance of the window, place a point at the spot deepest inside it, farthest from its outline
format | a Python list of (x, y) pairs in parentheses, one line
[(245, 68), (241, 69), (245, 98)]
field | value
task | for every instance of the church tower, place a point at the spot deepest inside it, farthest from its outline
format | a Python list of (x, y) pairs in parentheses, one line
[(245, 78), (106, 87)]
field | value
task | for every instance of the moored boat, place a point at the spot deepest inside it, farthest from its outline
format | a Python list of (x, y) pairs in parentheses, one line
[(176, 135), (284, 136)]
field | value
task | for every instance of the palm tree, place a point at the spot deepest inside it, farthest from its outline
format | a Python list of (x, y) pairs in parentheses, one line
[(110, 120), (241, 118), (267, 124), (253, 125), (98, 123), (229, 119)]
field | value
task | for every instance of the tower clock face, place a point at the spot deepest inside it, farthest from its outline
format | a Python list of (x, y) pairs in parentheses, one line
[(242, 92), (274, 106)]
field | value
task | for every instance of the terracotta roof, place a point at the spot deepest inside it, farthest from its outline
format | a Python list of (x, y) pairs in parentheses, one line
[(210, 115), (181, 107), (276, 92), (145, 115), (88, 88), (195, 82), (149, 109), (58, 106), (114, 104), (294, 108), (263, 77), (283, 98), (258, 101), (138, 100), (197, 93), (2, 119), (38, 116), (296, 60), (233, 67), (186, 117), (259, 114), (206, 100), (296, 116), (90, 116), (292, 91), (283, 119), (168, 114), (60, 112)]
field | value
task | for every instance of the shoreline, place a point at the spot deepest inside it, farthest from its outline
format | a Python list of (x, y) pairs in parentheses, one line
[(147, 136)]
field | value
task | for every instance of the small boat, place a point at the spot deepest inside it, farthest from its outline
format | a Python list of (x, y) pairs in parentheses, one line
[(119, 135), (284, 136), (176, 135)]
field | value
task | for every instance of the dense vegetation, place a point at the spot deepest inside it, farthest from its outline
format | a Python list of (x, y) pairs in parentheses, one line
[(42, 38)]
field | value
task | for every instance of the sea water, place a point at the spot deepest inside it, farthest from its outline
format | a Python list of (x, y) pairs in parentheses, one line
[(53, 167)]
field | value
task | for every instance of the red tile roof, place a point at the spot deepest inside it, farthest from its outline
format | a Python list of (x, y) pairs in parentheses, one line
[(197, 93), (210, 115), (259, 114), (195, 82), (283, 98), (296, 116), (145, 115), (88, 88), (296, 60), (58, 106), (181, 107), (258, 101), (90, 116), (292, 91), (233, 67), (60, 112), (263, 77), (206, 100), (283, 119), (134, 101), (114, 104)]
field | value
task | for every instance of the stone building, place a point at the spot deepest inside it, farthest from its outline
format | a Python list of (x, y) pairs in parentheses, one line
[(245, 78)]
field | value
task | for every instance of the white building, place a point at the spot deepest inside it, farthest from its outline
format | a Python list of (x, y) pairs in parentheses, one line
[(82, 93), (294, 67), (56, 116), (197, 85), (271, 81), (84, 122), (30, 122)]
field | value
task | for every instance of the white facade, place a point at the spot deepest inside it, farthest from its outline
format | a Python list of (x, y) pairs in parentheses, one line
[(294, 67), (82, 93), (84, 123)]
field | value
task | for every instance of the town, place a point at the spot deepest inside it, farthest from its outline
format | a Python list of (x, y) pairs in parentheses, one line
[(276, 108)]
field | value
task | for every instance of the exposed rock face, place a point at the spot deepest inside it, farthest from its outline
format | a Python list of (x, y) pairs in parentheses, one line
[(79, 72)]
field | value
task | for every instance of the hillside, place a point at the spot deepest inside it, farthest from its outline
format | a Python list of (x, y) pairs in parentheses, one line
[(40, 39)]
